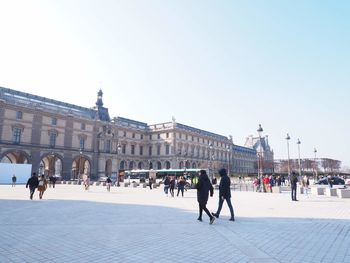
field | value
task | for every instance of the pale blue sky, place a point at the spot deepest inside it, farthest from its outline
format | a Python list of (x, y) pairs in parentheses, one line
[(222, 66)]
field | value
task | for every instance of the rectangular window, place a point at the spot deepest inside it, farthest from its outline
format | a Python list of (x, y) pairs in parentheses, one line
[(124, 149), (52, 141), (133, 135), (19, 115), (150, 151), (167, 134), (150, 136), (83, 126), (158, 150), (158, 135), (132, 149), (108, 146), (54, 121), (141, 136), (124, 133), (167, 149), (16, 137), (82, 143), (141, 150)]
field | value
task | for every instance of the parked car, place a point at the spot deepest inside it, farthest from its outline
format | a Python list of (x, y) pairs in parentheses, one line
[(335, 180)]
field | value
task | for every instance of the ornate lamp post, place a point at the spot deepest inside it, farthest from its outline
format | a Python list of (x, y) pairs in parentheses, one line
[(260, 168), (228, 158), (119, 148), (210, 160), (315, 166), (288, 138), (298, 142), (79, 165)]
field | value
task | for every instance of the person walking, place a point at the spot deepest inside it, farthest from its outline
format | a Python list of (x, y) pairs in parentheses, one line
[(224, 194), (14, 180), (108, 184), (293, 182), (203, 188), (181, 186), (306, 184), (42, 186), (166, 185), (150, 182), (172, 185), (32, 183)]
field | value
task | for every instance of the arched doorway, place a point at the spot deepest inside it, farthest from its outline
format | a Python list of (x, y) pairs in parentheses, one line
[(140, 166), (19, 157), (51, 165), (131, 165), (108, 168), (81, 166)]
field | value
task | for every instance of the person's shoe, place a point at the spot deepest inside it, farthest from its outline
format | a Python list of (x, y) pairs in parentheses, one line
[(232, 219), (199, 219), (216, 215), (212, 219)]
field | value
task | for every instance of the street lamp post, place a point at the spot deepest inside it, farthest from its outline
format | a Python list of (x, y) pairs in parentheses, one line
[(288, 138), (210, 160), (260, 168), (298, 142), (119, 148), (79, 166), (228, 159), (315, 166)]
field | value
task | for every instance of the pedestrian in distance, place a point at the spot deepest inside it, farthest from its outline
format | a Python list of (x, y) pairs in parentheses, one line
[(172, 185), (150, 182), (306, 183), (166, 185), (42, 186), (108, 184), (204, 187), (224, 194), (14, 180), (33, 183), (181, 186), (293, 182)]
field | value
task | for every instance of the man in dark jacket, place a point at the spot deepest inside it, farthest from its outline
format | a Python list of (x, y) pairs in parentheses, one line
[(224, 194), (204, 187), (33, 183), (293, 182)]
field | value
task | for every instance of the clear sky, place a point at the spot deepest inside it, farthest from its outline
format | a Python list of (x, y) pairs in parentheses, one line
[(221, 66)]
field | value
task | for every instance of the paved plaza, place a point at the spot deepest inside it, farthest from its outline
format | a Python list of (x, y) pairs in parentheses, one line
[(143, 225)]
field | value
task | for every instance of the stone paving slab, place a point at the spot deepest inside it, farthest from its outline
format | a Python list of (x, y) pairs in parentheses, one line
[(142, 225)]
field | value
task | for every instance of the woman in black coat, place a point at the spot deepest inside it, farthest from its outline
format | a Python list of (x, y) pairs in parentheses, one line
[(203, 188)]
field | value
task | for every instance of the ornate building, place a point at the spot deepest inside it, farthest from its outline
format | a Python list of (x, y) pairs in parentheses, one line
[(263, 151), (68, 140)]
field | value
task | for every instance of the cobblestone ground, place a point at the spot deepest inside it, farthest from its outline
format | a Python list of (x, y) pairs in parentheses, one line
[(142, 225)]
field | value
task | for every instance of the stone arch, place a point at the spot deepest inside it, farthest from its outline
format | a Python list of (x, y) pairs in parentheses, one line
[(81, 166), (131, 165), (15, 156), (122, 165)]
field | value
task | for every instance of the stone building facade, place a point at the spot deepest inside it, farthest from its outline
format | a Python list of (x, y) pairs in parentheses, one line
[(59, 138)]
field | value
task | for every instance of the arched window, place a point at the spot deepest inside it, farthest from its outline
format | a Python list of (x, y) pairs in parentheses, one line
[(131, 165), (159, 165), (122, 165), (140, 165), (167, 165)]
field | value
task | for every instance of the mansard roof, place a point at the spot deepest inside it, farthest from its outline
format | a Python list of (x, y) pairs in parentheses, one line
[(37, 102), (201, 132)]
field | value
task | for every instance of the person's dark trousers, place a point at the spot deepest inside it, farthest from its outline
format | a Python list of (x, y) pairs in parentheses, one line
[(221, 202), (32, 190), (294, 193), (180, 188), (150, 186), (204, 207)]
